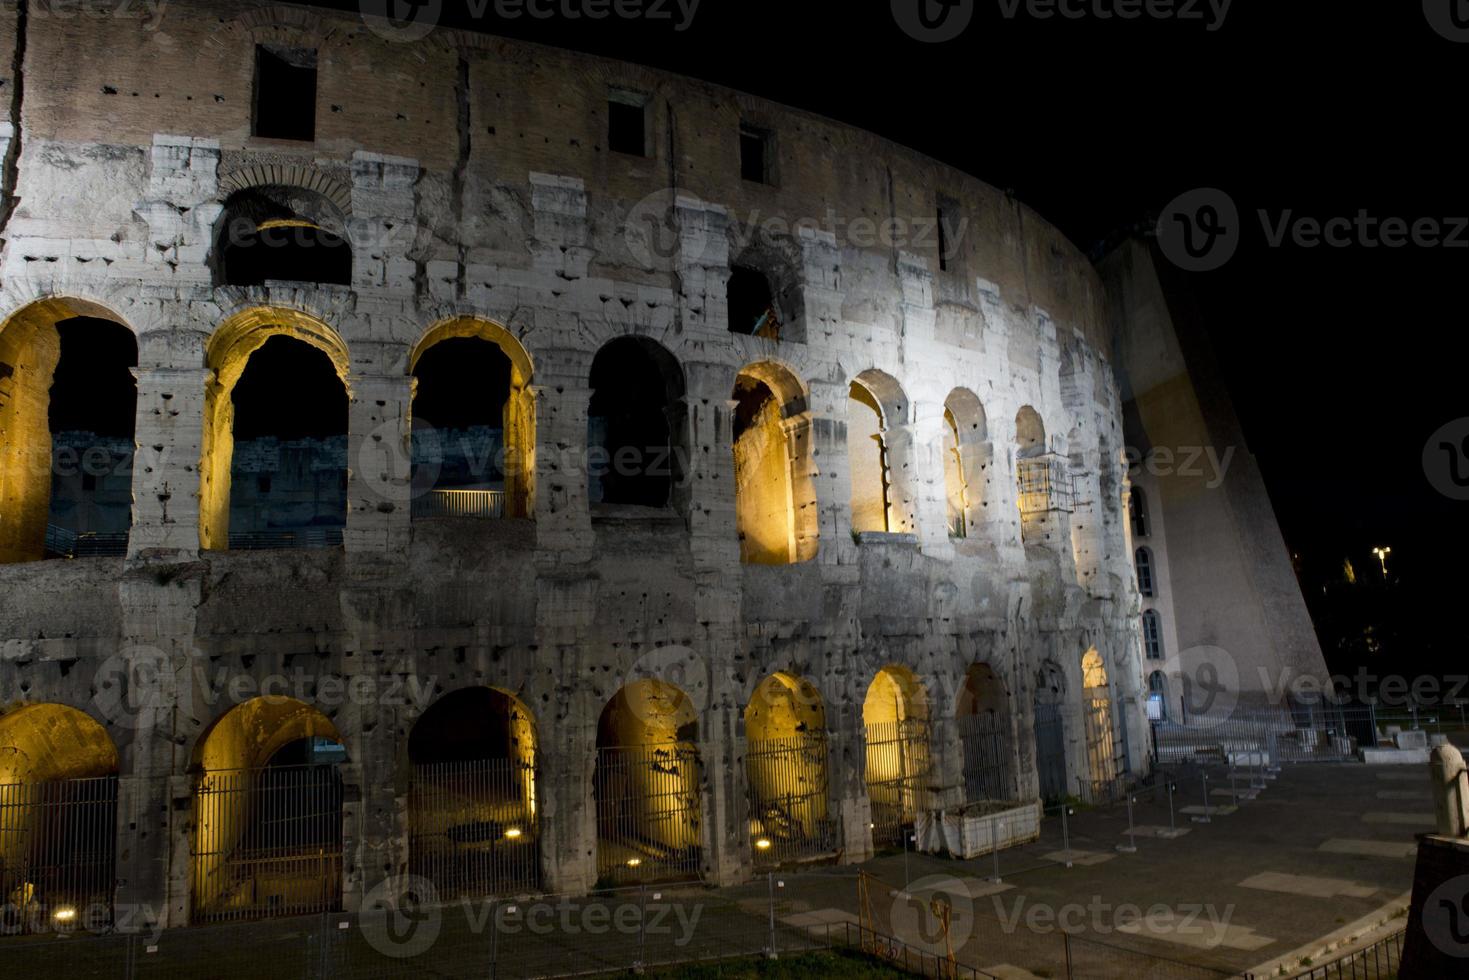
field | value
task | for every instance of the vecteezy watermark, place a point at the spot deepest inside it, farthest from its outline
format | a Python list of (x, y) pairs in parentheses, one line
[(148, 12), (1446, 459), (1201, 230), (1446, 917), (1205, 922), (23, 911), (935, 913), (413, 20), (402, 917), (1209, 683), (1450, 18), (1199, 462), (936, 21)]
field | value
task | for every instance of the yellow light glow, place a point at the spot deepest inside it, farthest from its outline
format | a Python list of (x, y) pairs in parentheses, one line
[(512, 833), (634, 862), (763, 843), (64, 913)]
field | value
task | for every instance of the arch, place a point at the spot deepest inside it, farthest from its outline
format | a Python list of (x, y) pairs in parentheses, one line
[(296, 175), (267, 829), (440, 490), (877, 453), (1158, 696), (58, 820), (763, 295), (775, 494), (1030, 433), (648, 785), (1050, 731), (30, 355), (1101, 736), (967, 458), (637, 441), (786, 771), (895, 722), (227, 355), (1152, 635), (472, 824), (1143, 563), (983, 713), (281, 232)]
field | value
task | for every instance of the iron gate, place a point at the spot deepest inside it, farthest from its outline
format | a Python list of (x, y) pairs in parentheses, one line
[(472, 827), (649, 820), (1050, 751), (267, 842), (1101, 745), (788, 794), (987, 770), (57, 855), (897, 768)]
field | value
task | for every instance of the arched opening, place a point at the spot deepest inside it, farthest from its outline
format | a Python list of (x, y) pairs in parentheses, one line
[(281, 233), (472, 796), (473, 423), (58, 821), (1050, 731), (896, 726), (1158, 697), (1137, 509), (1043, 480), (267, 813), (68, 402), (648, 785), (1101, 738), (1152, 635), (877, 413), (775, 497), (967, 457), (763, 296), (786, 772), (752, 308), (1143, 561), (636, 443), (983, 713), (273, 473)]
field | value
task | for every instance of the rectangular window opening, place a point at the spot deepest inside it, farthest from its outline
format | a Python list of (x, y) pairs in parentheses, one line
[(756, 157), (285, 93), (627, 123)]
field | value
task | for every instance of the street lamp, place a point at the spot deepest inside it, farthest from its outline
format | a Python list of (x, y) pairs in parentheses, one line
[(1382, 554)]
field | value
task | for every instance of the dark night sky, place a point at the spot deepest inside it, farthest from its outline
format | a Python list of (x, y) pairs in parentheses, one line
[(1341, 362)]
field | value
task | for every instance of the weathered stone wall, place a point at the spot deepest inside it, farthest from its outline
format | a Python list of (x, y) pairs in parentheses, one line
[(473, 179)]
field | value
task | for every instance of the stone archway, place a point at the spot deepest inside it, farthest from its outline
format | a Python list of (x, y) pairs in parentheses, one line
[(895, 722), (983, 716), (786, 758), (775, 497)]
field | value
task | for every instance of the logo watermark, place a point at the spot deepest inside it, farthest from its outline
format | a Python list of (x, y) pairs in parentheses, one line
[(1446, 459), (414, 20)]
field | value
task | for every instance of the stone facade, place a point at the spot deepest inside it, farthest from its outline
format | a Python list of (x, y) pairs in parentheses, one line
[(471, 177)]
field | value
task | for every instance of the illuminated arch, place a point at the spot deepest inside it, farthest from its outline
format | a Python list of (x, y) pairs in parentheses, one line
[(786, 770), (518, 416), (895, 723), (775, 495), (227, 354), (1101, 737), (878, 454), (648, 784), (30, 349), (967, 457)]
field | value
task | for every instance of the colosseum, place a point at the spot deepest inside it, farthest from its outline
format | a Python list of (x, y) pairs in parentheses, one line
[(522, 470)]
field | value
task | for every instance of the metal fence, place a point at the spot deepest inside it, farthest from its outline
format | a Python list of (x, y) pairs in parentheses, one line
[(459, 503), (789, 798), (649, 824), (65, 543), (898, 767), (472, 827), (1322, 734), (287, 539), (1050, 750), (1380, 961), (57, 855), (267, 842), (1103, 766), (1045, 484), (988, 772)]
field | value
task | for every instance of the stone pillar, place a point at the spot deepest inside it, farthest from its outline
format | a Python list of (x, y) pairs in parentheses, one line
[(379, 466), (567, 812), (169, 436), (930, 505), (832, 481), (725, 801), (25, 455), (562, 511), (384, 224)]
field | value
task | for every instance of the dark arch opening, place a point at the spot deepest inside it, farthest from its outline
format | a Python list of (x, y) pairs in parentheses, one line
[(288, 468), (91, 414), (634, 425), (280, 233), (752, 306), (459, 416)]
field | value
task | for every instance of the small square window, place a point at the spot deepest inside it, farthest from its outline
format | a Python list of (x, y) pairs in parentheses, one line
[(756, 156), (627, 123), (285, 93)]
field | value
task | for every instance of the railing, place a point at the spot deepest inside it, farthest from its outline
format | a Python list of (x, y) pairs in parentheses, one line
[(57, 855), (64, 543), (287, 539), (898, 767), (648, 813), (460, 503), (1045, 484), (787, 784), (987, 755), (1325, 735), (1380, 961), (472, 827)]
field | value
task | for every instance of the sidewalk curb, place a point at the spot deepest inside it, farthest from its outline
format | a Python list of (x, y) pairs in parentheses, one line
[(1363, 932)]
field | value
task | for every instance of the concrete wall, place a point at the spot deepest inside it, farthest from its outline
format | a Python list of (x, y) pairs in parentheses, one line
[(474, 182)]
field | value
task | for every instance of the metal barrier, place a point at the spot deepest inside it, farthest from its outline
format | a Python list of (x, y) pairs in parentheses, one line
[(64, 543), (649, 819), (1323, 735), (1380, 961), (57, 855), (898, 766), (459, 503), (267, 842), (287, 539), (988, 773), (472, 827), (788, 794)]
